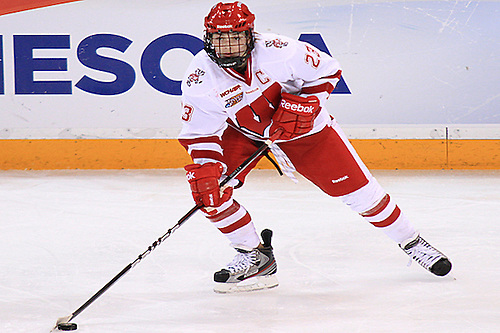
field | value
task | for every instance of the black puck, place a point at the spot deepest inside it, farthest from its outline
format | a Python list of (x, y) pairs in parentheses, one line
[(67, 326)]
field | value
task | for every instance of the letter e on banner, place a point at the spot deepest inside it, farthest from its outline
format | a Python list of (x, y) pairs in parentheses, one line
[(25, 65)]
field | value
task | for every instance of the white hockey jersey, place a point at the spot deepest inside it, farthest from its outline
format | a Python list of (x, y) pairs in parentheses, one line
[(214, 97)]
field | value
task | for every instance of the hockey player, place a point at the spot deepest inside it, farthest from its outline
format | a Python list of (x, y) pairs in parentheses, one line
[(243, 88)]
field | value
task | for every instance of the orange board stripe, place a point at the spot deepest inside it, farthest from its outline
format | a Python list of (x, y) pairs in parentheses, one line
[(15, 6), (46, 154)]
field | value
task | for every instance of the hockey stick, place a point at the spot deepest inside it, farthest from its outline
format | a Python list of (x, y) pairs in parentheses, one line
[(64, 323)]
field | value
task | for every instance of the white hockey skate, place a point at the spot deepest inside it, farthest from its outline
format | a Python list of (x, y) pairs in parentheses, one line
[(251, 269), (426, 255)]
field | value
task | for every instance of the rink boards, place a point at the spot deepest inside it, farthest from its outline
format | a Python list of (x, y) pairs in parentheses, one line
[(95, 84), (168, 153)]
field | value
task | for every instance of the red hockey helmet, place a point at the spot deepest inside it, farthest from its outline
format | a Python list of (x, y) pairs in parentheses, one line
[(229, 18), (225, 17)]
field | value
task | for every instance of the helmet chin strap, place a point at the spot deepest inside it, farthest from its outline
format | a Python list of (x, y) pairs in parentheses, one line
[(236, 63)]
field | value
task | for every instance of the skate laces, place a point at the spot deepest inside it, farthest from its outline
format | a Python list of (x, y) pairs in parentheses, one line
[(242, 261), (422, 252)]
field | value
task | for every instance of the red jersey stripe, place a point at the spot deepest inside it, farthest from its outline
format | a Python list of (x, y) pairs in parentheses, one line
[(204, 139), (325, 87), (208, 154), (334, 76)]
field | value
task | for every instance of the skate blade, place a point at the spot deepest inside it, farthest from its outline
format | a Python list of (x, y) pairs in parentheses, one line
[(252, 284)]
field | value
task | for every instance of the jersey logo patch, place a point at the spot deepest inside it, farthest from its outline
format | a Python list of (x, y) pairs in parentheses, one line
[(252, 91), (234, 100), (277, 43), (230, 90), (195, 77), (341, 179)]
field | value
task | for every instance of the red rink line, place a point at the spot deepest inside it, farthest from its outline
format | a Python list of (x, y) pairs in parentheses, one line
[(15, 6)]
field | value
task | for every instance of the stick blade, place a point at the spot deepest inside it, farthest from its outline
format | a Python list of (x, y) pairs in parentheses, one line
[(63, 324), (64, 319)]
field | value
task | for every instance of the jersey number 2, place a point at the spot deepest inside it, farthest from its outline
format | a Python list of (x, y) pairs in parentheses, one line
[(312, 57)]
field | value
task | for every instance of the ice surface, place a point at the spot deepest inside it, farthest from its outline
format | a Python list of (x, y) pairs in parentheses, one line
[(64, 234)]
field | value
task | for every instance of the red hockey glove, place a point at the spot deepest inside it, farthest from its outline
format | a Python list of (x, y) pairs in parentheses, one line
[(295, 115), (204, 182)]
